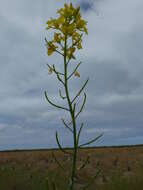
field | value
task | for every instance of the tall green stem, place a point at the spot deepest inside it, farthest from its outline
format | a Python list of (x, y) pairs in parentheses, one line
[(72, 116)]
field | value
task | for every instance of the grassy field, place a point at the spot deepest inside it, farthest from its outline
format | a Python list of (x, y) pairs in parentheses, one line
[(121, 169)]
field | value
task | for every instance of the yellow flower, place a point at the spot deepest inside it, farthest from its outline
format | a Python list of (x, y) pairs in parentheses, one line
[(57, 37), (70, 52), (76, 74), (50, 51), (50, 69), (85, 30), (53, 23), (68, 29), (51, 48), (50, 24), (56, 24), (77, 12), (79, 46), (80, 24), (61, 20)]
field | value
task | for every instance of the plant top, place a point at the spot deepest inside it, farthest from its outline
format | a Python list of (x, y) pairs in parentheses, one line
[(70, 26)]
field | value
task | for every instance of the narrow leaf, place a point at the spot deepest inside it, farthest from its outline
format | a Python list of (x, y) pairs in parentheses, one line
[(59, 145), (79, 132), (91, 141), (92, 180), (58, 163), (53, 104)]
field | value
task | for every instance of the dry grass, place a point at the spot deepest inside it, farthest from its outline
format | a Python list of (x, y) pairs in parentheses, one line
[(27, 170)]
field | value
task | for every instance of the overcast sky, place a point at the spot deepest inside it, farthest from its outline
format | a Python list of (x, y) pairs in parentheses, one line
[(112, 57)]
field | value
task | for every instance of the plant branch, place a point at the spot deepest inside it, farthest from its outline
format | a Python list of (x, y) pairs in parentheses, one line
[(57, 71), (92, 180), (54, 69), (66, 125), (53, 104), (84, 100), (79, 92), (80, 108), (85, 163), (54, 185), (58, 77), (73, 71), (47, 184), (63, 97), (74, 108)]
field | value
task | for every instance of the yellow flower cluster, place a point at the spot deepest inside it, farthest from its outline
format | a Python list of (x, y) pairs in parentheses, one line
[(69, 25)]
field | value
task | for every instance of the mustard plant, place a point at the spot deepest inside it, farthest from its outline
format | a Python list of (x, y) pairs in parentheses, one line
[(68, 30)]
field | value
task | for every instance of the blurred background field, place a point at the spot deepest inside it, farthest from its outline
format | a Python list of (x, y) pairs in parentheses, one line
[(121, 169)]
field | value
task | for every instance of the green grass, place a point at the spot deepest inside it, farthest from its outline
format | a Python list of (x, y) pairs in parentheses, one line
[(118, 182), (21, 178)]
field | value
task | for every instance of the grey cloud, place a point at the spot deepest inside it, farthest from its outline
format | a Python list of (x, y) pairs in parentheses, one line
[(110, 78), (112, 58), (86, 5)]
